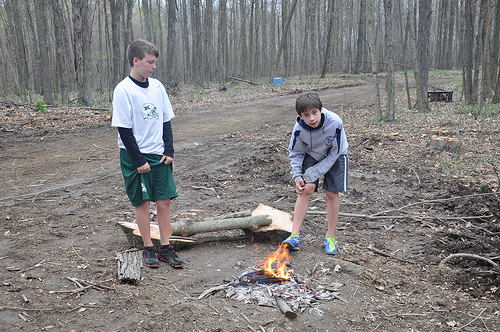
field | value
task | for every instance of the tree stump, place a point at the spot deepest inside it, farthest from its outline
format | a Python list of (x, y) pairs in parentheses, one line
[(444, 142), (129, 265)]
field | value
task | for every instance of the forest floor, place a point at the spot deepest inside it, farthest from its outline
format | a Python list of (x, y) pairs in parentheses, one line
[(409, 206)]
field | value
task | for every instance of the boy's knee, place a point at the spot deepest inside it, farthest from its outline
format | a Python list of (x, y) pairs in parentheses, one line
[(331, 196)]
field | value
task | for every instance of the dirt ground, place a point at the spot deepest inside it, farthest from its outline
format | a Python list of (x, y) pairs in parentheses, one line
[(409, 207)]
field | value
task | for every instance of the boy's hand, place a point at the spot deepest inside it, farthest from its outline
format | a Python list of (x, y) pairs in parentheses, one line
[(299, 186), (144, 168), (166, 160)]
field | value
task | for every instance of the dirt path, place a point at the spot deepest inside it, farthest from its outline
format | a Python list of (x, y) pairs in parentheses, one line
[(61, 195)]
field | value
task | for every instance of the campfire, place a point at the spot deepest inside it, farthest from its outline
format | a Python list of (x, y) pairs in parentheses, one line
[(273, 283), (274, 269)]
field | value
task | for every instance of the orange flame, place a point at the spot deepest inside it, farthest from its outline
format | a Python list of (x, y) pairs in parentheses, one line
[(279, 259)]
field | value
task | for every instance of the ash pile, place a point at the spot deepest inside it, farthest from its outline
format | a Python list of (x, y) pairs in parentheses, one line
[(275, 285)]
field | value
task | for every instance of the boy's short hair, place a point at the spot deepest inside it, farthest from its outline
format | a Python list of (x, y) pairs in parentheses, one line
[(139, 48), (307, 101)]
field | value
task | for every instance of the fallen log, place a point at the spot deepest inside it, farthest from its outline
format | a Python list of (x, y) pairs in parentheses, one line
[(263, 223), (187, 227), (129, 265)]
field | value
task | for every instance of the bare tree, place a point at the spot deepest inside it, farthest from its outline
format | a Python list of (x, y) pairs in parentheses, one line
[(62, 51), (495, 65), (389, 83), (424, 23), (15, 29), (374, 57), (196, 60), (81, 35), (171, 36), (361, 42), (331, 5)]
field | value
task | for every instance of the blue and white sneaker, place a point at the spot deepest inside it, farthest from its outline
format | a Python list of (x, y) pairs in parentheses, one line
[(330, 245), (292, 242)]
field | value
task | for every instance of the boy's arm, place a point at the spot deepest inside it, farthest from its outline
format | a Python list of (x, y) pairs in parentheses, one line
[(168, 139), (128, 139), (297, 150)]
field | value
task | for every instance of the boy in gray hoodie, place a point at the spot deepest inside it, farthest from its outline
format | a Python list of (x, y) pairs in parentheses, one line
[(318, 148)]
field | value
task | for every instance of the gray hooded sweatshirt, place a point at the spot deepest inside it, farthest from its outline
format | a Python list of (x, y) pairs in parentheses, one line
[(325, 144)]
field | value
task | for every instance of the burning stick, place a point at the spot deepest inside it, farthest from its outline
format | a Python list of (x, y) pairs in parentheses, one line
[(284, 307)]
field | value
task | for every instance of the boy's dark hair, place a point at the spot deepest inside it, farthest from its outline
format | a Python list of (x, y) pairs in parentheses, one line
[(307, 101), (139, 48)]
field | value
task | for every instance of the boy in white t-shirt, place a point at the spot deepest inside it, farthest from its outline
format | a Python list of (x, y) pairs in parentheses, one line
[(142, 114)]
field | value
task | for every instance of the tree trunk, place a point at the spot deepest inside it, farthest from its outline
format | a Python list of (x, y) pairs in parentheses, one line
[(284, 35), (62, 51), (187, 50), (171, 37), (82, 50), (15, 30), (331, 5), (374, 58), (468, 51), (495, 58), (208, 41), (389, 83), (424, 23), (361, 42), (197, 43)]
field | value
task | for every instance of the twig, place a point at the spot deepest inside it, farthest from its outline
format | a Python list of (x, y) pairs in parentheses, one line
[(212, 290), (34, 266), (487, 260), (472, 321), (388, 255), (84, 288), (183, 293), (83, 259), (205, 188), (246, 318)]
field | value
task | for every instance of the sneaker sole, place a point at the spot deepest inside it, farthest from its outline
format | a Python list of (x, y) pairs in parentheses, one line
[(151, 265), (171, 264), (290, 246)]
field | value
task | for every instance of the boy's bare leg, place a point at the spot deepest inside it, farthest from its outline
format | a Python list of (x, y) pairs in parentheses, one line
[(301, 206), (142, 217), (164, 220), (332, 211)]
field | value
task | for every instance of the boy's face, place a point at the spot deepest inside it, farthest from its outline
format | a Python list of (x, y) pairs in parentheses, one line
[(312, 117), (144, 67)]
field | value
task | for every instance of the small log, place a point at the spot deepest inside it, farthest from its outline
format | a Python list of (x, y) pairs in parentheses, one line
[(285, 308), (129, 266)]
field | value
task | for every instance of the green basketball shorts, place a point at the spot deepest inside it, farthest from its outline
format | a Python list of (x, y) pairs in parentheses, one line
[(155, 185)]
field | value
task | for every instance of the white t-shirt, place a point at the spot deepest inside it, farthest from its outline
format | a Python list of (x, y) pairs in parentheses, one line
[(144, 110)]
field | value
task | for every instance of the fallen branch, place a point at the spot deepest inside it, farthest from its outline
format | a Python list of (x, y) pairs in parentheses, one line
[(378, 216), (284, 307), (33, 267), (85, 288), (242, 80), (388, 255), (212, 290), (484, 259)]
